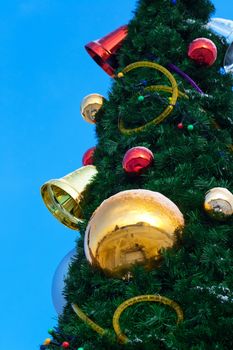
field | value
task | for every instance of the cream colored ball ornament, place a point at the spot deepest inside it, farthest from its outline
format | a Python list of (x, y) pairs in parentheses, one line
[(131, 227), (90, 105), (219, 203)]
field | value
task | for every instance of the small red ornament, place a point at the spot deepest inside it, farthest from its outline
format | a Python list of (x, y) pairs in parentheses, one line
[(65, 344), (137, 159), (180, 126), (203, 51), (88, 156)]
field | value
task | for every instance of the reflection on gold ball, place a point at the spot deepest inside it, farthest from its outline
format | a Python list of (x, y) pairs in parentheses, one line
[(131, 227), (219, 203), (90, 105)]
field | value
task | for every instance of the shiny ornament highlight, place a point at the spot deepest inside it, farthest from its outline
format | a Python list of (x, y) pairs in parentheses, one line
[(137, 159), (88, 156), (131, 227), (62, 196), (103, 51), (203, 51), (90, 105), (219, 203)]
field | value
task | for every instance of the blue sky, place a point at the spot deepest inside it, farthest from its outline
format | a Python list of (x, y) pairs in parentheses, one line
[(44, 74)]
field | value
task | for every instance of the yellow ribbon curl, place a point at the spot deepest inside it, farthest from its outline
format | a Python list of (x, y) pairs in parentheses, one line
[(122, 338), (164, 89), (168, 109), (87, 320), (142, 298)]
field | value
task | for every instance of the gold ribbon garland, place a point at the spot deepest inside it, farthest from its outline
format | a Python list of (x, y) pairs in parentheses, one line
[(168, 109), (87, 320), (164, 88), (230, 147), (142, 298), (122, 338)]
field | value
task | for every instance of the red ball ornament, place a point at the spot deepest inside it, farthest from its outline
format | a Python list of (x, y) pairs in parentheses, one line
[(65, 344), (203, 51), (180, 126), (137, 159), (88, 156)]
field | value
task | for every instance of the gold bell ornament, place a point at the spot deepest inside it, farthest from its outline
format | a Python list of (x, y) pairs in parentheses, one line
[(219, 203), (90, 105), (131, 227), (62, 196)]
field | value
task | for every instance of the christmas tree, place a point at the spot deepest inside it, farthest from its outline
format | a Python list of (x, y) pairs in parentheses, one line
[(154, 265)]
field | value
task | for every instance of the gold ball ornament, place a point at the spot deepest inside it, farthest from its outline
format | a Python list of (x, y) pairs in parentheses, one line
[(131, 227), (219, 203), (90, 105)]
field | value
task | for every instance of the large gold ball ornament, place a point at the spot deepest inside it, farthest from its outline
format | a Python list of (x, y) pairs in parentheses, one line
[(62, 196), (219, 203), (90, 105), (131, 227)]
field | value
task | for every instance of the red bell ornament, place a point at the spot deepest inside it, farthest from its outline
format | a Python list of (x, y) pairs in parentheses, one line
[(203, 51), (103, 51), (88, 156), (137, 159)]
